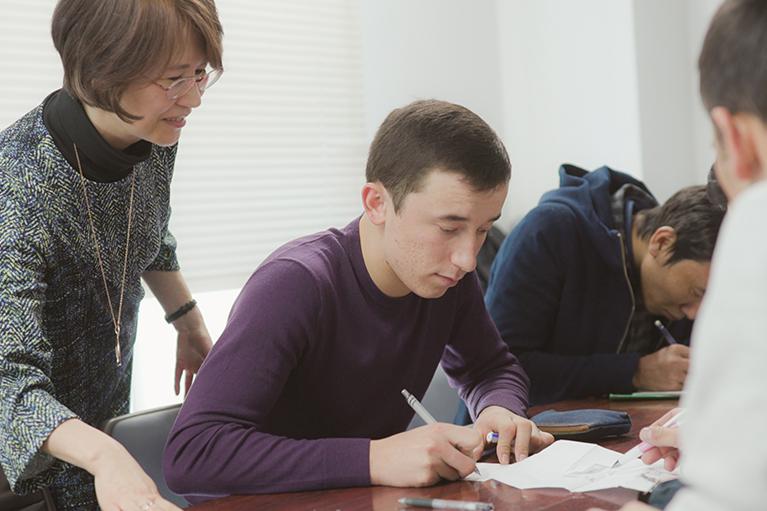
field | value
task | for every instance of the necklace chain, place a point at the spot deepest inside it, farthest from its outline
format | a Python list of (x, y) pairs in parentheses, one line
[(116, 318)]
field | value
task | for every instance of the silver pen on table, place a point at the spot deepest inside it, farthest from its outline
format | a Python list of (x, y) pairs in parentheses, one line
[(424, 414), (447, 504)]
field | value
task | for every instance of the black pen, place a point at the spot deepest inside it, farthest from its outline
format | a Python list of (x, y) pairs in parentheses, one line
[(666, 334)]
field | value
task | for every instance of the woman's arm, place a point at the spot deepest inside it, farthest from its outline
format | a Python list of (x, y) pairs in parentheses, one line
[(120, 481), (194, 342)]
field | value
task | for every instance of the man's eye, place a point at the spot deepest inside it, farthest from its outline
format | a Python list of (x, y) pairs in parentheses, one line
[(174, 78), (447, 229)]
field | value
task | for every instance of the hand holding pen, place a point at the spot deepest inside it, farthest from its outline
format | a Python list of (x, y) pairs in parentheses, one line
[(665, 369), (424, 414), (423, 456), (659, 440)]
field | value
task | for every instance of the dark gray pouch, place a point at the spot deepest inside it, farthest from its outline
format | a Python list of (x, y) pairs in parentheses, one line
[(586, 425)]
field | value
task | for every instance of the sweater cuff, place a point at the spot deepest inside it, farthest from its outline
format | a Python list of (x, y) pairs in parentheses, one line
[(346, 462), (29, 468), (620, 374), (505, 399), (166, 259)]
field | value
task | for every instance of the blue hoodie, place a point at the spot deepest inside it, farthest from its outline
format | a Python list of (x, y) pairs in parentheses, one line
[(559, 290)]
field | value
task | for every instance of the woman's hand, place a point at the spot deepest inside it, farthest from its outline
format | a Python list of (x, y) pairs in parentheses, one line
[(192, 347), (121, 484), (170, 289)]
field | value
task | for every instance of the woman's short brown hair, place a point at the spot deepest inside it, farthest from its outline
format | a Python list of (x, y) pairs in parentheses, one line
[(106, 45)]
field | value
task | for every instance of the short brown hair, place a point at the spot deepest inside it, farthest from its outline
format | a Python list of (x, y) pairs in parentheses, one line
[(105, 45), (693, 216), (430, 134), (732, 69)]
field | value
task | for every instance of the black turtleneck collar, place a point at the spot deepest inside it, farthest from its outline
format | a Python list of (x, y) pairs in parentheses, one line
[(68, 124)]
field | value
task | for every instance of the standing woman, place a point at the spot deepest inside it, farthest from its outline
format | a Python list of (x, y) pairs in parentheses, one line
[(84, 210)]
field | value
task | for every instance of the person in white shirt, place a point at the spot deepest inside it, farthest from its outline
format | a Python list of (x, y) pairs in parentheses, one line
[(723, 462)]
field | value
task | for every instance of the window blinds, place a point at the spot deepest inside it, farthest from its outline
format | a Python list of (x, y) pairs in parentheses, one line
[(31, 66), (278, 148)]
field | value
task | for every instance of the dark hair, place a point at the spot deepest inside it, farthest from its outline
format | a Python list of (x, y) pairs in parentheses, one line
[(106, 45), (694, 218), (714, 190), (431, 134), (733, 73)]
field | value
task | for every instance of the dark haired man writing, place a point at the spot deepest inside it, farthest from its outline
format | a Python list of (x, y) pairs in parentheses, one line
[(576, 287), (302, 391)]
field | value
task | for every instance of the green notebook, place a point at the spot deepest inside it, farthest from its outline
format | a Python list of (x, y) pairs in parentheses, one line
[(666, 394)]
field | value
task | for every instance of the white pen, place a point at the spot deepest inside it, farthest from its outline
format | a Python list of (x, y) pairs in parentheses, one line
[(416, 405), (424, 414), (643, 447), (464, 505)]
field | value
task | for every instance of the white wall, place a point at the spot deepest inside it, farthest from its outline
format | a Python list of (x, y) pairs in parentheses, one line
[(699, 14), (556, 79), (665, 71), (570, 91), (443, 49), (676, 132), (602, 82)]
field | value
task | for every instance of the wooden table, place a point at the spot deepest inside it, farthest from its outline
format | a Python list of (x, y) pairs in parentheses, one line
[(379, 498)]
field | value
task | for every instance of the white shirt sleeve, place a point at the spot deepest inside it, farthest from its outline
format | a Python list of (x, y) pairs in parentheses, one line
[(724, 450)]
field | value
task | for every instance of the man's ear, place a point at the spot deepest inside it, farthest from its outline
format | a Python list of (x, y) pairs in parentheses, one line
[(661, 243), (736, 136), (374, 201)]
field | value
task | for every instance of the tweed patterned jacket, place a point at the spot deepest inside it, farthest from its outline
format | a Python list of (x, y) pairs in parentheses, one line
[(57, 342)]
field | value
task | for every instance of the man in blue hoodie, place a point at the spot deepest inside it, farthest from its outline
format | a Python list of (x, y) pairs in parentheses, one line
[(577, 285)]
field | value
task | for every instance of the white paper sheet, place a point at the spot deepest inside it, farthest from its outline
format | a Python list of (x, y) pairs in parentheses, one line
[(575, 466)]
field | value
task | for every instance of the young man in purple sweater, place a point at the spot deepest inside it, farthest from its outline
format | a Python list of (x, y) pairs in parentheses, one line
[(302, 390)]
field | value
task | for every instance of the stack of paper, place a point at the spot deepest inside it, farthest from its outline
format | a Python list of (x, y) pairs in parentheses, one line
[(575, 466)]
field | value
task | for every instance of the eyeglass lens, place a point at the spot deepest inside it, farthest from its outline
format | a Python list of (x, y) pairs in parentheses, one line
[(182, 86)]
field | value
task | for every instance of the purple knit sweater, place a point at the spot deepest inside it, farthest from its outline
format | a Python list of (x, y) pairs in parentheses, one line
[(310, 368)]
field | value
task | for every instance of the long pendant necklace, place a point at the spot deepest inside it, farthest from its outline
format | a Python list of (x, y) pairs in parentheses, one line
[(116, 318)]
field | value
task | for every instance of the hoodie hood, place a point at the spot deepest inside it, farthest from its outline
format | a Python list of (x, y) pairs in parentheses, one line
[(588, 195)]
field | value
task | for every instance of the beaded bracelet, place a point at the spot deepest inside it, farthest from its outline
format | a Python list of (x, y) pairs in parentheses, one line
[(173, 316)]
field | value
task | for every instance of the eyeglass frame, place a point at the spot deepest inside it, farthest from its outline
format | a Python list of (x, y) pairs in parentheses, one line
[(202, 81)]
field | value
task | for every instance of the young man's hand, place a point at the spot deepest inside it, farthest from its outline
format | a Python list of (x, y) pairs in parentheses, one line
[(666, 369), (665, 440), (511, 428), (423, 456)]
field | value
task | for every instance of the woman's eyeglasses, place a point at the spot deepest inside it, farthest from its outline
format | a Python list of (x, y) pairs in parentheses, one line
[(204, 80)]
